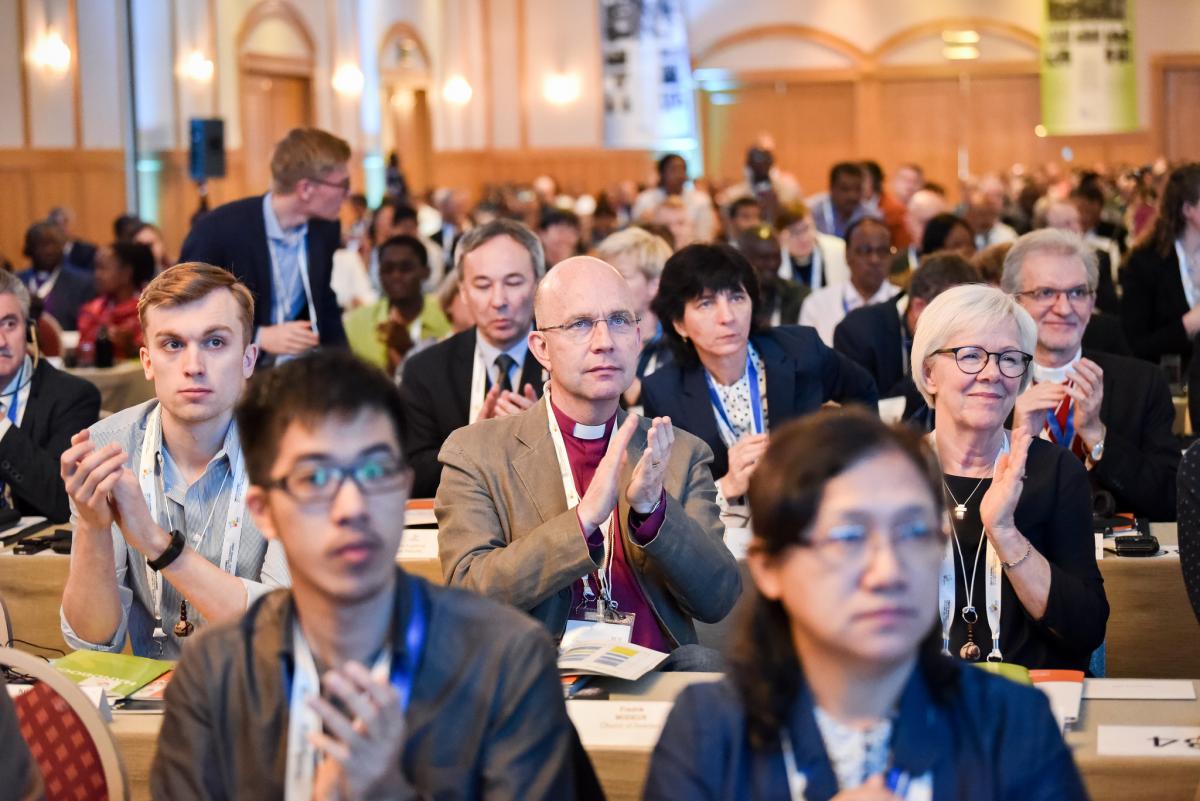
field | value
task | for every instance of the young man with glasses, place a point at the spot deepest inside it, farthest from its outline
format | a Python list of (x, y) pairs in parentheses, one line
[(162, 540), (281, 244), (361, 682), (1113, 412), (593, 521), (869, 255)]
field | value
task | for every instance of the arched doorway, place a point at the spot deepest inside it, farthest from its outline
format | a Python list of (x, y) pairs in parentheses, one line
[(404, 84), (275, 69)]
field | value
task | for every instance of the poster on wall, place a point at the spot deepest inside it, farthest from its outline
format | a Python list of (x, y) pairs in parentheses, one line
[(648, 99), (1089, 83)]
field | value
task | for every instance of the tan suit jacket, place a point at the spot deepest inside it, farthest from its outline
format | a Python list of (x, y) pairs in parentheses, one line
[(505, 530)]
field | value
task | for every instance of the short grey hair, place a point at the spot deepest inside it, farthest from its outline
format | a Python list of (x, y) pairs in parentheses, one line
[(647, 251), (11, 285), (479, 236), (1048, 240), (963, 311)]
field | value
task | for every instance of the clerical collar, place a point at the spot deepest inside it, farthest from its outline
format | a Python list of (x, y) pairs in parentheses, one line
[(1055, 375), (580, 430)]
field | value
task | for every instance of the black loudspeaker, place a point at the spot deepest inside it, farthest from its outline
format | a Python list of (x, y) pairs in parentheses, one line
[(206, 152)]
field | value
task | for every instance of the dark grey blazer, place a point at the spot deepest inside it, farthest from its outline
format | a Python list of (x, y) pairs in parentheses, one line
[(486, 719)]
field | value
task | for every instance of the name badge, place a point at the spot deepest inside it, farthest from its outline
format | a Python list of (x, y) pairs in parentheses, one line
[(597, 626)]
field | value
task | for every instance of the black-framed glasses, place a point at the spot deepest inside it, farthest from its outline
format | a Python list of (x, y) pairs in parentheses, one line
[(313, 482), (343, 185), (971, 359), (580, 329), (1048, 296)]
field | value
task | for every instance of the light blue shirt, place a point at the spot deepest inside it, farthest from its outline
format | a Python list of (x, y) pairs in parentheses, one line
[(517, 352), (287, 258)]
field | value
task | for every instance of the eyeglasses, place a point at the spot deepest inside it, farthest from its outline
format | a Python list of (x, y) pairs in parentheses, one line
[(343, 185), (972, 359), (315, 483), (1047, 296), (620, 324), (850, 544)]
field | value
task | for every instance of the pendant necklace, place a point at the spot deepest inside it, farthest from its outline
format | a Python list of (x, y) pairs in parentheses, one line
[(970, 650), (960, 509)]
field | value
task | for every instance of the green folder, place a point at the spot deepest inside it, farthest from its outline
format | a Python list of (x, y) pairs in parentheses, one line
[(119, 674)]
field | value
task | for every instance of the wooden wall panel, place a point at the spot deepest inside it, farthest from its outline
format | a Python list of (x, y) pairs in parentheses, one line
[(813, 124), (1181, 101), (90, 182), (922, 121)]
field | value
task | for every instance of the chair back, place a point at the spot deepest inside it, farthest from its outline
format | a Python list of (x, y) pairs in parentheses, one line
[(71, 744)]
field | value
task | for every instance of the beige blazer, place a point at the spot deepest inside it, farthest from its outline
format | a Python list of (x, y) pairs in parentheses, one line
[(504, 529)]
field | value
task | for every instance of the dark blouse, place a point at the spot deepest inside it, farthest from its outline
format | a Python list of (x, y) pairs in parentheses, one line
[(991, 740), (1055, 514), (1189, 523)]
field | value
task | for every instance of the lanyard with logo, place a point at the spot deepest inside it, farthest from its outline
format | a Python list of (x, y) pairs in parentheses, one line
[(991, 588), (755, 402), (302, 266), (231, 541), (303, 720), (14, 405), (603, 575)]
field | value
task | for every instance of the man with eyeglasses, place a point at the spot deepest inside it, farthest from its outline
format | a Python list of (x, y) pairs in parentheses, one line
[(597, 523), (360, 682), (281, 244), (163, 542), (1113, 412), (869, 255)]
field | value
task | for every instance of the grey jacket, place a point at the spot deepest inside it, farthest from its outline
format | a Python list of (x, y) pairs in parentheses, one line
[(486, 718), (505, 530)]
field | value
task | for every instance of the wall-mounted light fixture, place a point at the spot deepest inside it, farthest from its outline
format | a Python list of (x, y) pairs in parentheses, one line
[(561, 88), (457, 91), (50, 53), (348, 80), (196, 67), (960, 45)]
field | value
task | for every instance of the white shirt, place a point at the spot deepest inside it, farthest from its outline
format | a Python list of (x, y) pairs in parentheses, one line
[(488, 354), (350, 281), (829, 262), (828, 306), (1000, 232)]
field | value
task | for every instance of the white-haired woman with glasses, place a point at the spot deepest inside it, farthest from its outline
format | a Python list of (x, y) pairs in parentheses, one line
[(1018, 581)]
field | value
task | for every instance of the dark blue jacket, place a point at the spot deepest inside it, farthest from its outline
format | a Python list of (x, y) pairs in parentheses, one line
[(802, 374), (994, 740), (234, 236)]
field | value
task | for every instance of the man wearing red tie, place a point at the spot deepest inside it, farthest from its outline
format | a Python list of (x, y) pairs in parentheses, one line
[(1113, 412)]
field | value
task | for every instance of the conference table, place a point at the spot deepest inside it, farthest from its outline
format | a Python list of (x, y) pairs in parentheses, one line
[(622, 769)]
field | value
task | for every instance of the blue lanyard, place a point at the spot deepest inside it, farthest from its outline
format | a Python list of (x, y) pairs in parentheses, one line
[(16, 396), (1063, 435), (755, 398)]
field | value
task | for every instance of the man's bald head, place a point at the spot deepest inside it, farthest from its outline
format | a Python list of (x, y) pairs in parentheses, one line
[(580, 278)]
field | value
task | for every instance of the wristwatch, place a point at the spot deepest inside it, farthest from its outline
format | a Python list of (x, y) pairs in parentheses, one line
[(1097, 451), (171, 553)]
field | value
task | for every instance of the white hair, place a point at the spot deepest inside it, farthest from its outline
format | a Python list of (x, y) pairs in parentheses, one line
[(1048, 240), (963, 311)]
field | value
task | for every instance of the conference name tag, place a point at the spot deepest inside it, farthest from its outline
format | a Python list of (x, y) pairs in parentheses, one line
[(595, 627), (1167, 741)]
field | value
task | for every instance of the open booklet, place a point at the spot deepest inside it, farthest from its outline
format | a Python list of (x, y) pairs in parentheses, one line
[(119, 674), (619, 660)]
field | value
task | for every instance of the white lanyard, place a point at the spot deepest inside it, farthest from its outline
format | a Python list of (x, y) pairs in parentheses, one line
[(43, 290), (568, 482), (991, 587), (816, 278), (231, 542), (302, 264), (303, 720), (1185, 274), (797, 781)]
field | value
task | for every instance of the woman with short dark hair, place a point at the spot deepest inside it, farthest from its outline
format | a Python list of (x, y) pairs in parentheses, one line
[(732, 380), (837, 687)]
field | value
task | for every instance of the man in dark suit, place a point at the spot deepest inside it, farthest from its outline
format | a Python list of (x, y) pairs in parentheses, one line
[(281, 244), (77, 252), (780, 297), (879, 337), (486, 371), (41, 408), (1114, 413), (60, 289)]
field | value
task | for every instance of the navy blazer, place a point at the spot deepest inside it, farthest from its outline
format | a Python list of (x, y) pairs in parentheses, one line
[(1153, 304), (234, 236), (72, 289), (802, 374), (992, 740)]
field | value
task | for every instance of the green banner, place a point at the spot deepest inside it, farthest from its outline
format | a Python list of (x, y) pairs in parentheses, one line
[(1089, 83)]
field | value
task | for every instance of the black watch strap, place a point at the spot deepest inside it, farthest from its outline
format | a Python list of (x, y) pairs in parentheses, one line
[(171, 553)]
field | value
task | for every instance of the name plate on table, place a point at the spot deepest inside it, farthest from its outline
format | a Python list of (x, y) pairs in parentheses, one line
[(418, 543), (1157, 741), (1139, 689), (621, 724)]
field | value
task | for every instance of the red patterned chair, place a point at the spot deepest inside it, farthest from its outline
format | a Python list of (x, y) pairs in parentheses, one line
[(70, 742)]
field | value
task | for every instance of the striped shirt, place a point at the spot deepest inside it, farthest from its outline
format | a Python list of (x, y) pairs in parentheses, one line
[(260, 565)]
